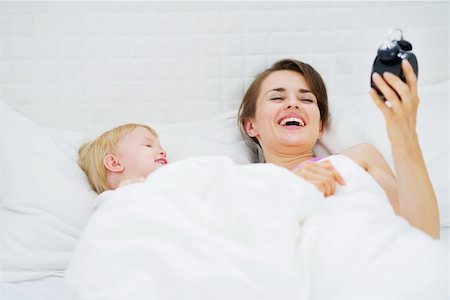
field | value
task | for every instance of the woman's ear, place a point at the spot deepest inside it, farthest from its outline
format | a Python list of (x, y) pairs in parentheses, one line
[(250, 128), (112, 163), (321, 130)]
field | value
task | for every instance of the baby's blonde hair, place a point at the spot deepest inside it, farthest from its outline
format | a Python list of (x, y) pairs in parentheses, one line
[(92, 154)]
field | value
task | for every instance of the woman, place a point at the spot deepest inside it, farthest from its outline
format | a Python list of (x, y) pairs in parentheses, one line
[(285, 111)]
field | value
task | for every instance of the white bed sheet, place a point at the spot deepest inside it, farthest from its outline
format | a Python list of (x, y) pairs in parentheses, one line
[(41, 289), (53, 287), (203, 246)]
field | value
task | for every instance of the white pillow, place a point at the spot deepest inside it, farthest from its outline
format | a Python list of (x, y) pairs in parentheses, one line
[(357, 120), (45, 199), (218, 135)]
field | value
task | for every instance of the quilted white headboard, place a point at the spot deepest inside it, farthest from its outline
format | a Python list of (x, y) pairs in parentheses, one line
[(82, 65)]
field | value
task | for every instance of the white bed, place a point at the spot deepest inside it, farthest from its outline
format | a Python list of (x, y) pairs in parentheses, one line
[(69, 70)]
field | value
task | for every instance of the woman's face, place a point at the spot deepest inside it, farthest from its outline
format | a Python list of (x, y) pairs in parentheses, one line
[(287, 114)]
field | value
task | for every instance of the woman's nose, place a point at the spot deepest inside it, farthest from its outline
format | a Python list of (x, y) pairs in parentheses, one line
[(292, 103)]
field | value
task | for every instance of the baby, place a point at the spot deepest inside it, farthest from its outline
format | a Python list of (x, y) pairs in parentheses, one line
[(122, 155)]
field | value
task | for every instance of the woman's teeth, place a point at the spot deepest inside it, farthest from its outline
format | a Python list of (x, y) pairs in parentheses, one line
[(292, 121)]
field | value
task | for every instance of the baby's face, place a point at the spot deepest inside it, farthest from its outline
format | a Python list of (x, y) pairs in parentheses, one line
[(140, 152)]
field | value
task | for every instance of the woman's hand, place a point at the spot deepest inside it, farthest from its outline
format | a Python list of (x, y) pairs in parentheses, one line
[(400, 111), (322, 174), (416, 198)]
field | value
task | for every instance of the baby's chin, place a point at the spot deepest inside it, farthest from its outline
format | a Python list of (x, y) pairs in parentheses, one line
[(158, 165)]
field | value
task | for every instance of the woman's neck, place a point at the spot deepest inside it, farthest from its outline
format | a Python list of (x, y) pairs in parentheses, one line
[(288, 161)]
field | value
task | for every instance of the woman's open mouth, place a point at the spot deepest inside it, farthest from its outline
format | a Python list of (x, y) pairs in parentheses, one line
[(290, 121)]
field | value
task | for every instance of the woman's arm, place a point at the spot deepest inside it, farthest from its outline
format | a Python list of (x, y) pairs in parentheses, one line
[(416, 199)]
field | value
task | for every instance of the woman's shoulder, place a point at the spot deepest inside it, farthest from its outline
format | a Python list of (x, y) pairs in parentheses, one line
[(364, 154), (360, 149)]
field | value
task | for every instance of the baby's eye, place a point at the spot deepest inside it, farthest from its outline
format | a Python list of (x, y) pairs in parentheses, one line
[(148, 146)]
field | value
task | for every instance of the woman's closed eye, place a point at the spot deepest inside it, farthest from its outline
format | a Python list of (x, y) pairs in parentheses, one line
[(276, 98), (281, 99)]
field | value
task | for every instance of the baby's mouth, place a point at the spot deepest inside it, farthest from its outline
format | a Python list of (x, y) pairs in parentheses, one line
[(161, 161)]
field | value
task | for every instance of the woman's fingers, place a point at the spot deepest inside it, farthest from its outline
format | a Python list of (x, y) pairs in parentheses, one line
[(387, 91), (323, 175), (325, 184), (410, 76), (395, 90), (337, 175), (334, 173), (399, 87), (379, 102)]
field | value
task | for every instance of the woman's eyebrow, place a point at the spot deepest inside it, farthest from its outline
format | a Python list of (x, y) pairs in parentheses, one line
[(275, 90), (303, 91)]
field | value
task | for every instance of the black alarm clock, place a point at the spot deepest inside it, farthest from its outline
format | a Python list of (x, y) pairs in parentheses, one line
[(390, 55)]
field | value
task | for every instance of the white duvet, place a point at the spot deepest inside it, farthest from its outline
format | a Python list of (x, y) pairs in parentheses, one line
[(206, 228)]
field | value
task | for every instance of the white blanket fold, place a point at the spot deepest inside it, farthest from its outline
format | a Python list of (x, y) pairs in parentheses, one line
[(207, 228)]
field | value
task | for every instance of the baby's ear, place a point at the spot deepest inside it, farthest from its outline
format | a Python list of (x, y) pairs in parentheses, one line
[(112, 163)]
